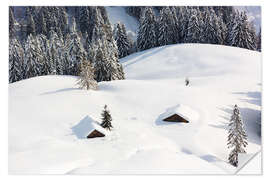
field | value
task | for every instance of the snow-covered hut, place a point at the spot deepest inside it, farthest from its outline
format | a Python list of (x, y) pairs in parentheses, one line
[(88, 128), (179, 113), (95, 130)]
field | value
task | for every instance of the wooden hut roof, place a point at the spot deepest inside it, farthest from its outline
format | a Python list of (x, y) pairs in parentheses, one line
[(182, 110)]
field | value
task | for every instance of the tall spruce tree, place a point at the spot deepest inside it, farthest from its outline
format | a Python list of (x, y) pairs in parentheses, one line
[(54, 45), (16, 53), (76, 53), (166, 27), (122, 41), (45, 52), (84, 19), (193, 34), (41, 24), (237, 138), (212, 33), (106, 119), (147, 35), (30, 24), (240, 32), (183, 19), (31, 57), (12, 30)]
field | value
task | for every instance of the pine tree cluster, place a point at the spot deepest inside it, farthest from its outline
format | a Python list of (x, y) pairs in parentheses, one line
[(46, 41), (188, 24)]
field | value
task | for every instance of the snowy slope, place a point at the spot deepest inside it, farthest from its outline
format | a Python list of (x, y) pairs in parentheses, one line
[(43, 112), (118, 14)]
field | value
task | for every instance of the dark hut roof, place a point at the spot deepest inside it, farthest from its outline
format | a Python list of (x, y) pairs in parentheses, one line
[(181, 110)]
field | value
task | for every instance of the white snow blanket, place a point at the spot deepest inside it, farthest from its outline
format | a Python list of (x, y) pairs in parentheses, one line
[(44, 111)]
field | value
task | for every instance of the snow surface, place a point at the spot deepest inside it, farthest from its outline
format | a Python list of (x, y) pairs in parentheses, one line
[(118, 14), (43, 112), (253, 166)]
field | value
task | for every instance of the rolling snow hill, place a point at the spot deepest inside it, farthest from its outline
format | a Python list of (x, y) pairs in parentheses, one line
[(43, 112)]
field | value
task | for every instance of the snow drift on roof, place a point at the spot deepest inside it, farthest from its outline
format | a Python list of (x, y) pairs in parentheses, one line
[(181, 110), (86, 126)]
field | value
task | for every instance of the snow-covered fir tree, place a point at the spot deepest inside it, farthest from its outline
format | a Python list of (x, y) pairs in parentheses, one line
[(183, 19), (105, 69), (122, 41), (147, 35), (166, 27), (63, 21), (54, 46), (237, 139), (41, 24), (224, 12), (253, 35), (30, 28), (212, 33), (86, 76), (240, 33), (16, 54), (12, 21), (193, 34), (84, 19), (106, 119), (32, 57), (75, 50), (45, 52)]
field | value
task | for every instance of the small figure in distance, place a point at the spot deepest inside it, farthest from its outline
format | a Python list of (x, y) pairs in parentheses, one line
[(187, 81)]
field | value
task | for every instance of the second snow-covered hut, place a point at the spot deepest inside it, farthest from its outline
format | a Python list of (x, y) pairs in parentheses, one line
[(179, 113)]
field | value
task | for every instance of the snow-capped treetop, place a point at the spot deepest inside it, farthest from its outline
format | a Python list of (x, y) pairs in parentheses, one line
[(182, 110)]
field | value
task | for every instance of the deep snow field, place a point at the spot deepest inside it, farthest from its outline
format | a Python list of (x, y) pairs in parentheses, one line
[(43, 112)]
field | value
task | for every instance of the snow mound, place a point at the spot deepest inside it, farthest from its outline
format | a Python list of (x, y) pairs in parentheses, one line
[(182, 110), (190, 60), (86, 126)]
